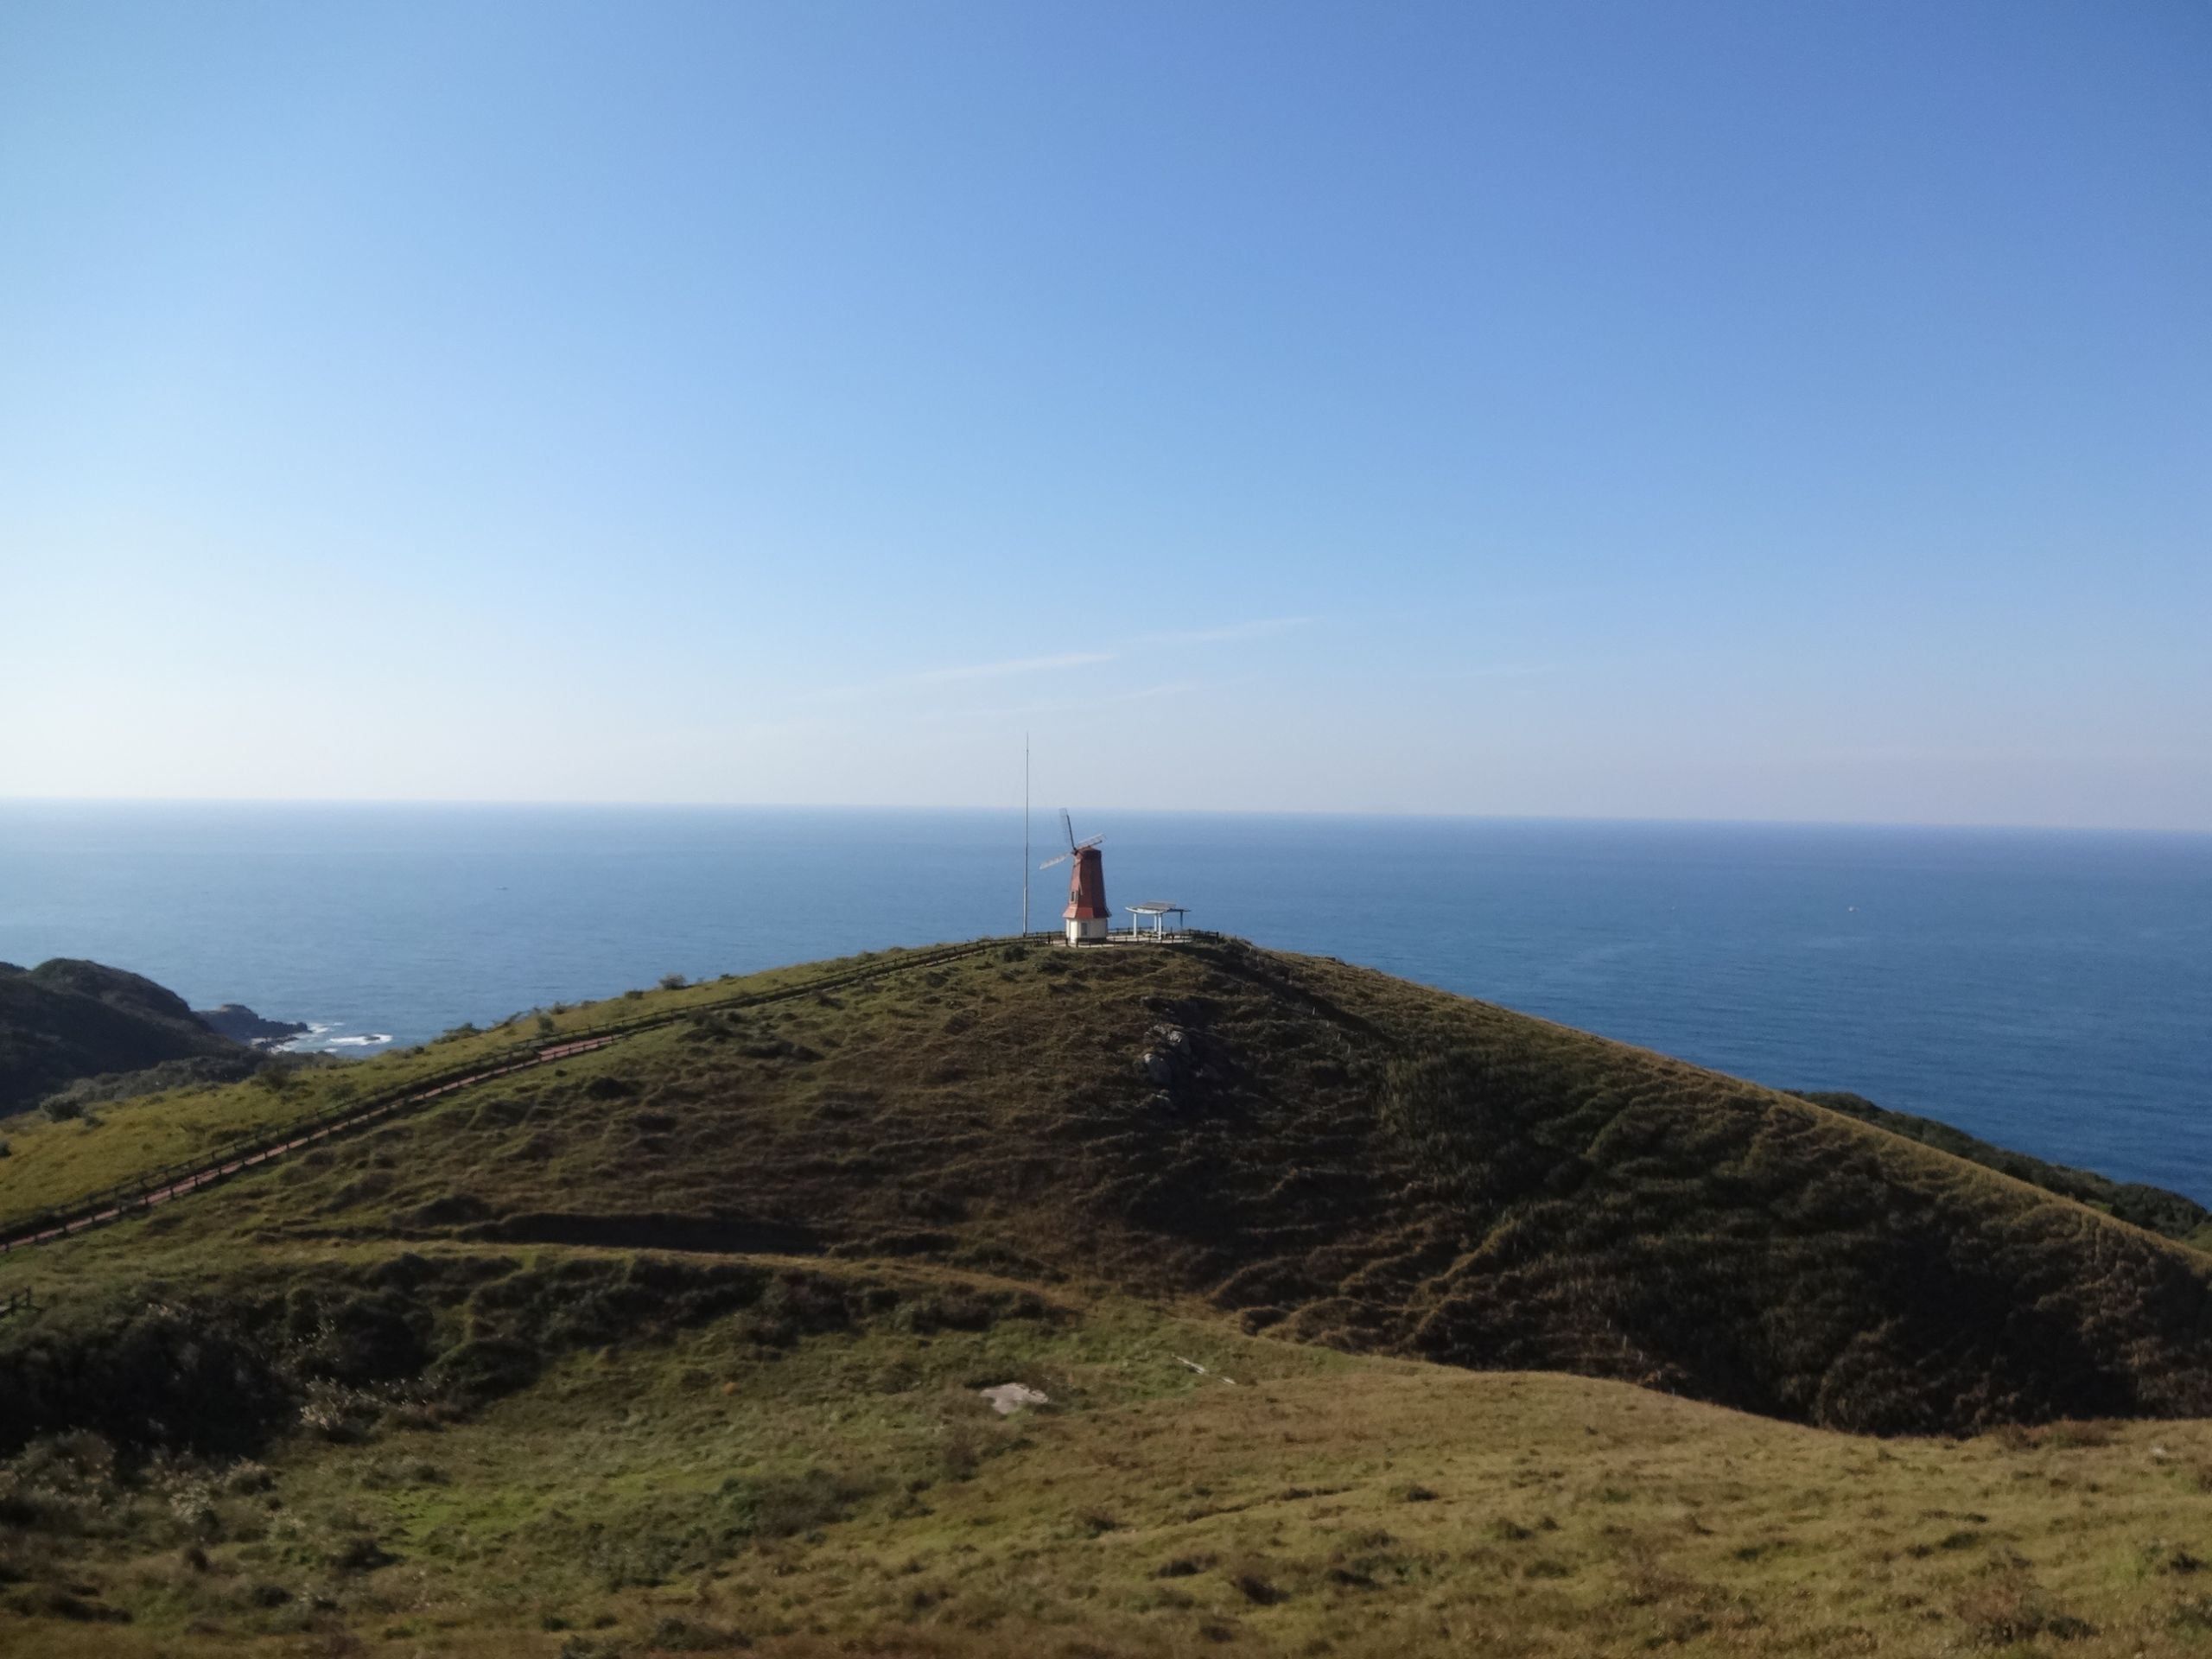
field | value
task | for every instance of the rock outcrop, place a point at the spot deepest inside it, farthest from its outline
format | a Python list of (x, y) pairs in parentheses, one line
[(241, 1025)]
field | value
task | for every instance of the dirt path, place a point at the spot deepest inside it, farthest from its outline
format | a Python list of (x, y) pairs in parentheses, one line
[(211, 1173), (63, 1224)]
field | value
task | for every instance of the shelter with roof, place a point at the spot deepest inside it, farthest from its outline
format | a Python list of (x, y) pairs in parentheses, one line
[(1158, 911)]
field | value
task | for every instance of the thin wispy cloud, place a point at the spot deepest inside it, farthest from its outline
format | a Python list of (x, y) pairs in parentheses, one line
[(1520, 670), (1009, 667), (1034, 710), (1142, 694), (1215, 636), (1014, 665), (960, 672)]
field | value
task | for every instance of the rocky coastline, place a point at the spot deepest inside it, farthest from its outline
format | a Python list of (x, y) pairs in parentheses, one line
[(241, 1025)]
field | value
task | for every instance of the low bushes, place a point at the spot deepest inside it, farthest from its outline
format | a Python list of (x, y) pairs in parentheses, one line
[(221, 1376)]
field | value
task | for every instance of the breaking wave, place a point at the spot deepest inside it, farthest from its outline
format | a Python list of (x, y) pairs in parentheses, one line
[(319, 1039)]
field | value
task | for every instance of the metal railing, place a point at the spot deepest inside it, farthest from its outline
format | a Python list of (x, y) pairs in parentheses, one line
[(1055, 935)]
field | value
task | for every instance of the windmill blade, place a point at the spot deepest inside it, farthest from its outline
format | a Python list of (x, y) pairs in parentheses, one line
[(1049, 862), (1094, 842), (1067, 828)]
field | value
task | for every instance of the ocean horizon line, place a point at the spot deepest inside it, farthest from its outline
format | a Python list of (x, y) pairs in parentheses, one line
[(1043, 813)]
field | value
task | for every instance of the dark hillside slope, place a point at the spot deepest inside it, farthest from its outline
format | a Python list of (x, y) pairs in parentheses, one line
[(1333, 1155), (65, 1020), (2154, 1207)]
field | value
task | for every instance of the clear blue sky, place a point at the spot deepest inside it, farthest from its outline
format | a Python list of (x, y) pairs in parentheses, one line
[(1765, 411)]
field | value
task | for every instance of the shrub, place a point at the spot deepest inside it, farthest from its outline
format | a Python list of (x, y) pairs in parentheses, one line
[(2160, 1556), (52, 1601), (783, 1507), (962, 1449), (363, 1336), (484, 1369), (401, 1473), (360, 1554), (1258, 1589), (63, 1484), (949, 1310), (2007, 1608), (673, 982), (675, 1634), (199, 1378), (335, 1412), (246, 1479), (2193, 1615), (2071, 1433)]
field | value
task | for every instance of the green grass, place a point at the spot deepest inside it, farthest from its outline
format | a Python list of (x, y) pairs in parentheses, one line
[(680, 1341), (848, 1491), (2150, 1207), (52, 1165), (1348, 1160)]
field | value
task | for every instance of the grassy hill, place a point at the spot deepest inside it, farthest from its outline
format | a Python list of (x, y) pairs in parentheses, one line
[(794, 1458), (2146, 1206), (680, 1342), (65, 1020)]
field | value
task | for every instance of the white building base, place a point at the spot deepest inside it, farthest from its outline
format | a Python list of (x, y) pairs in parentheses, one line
[(1087, 932)]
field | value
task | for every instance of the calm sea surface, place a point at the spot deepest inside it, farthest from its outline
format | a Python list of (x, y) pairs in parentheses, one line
[(2049, 991)]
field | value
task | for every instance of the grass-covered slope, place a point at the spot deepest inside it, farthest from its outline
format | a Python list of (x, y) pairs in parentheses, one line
[(65, 1020), (2152, 1207), (678, 1347), (794, 1460), (1328, 1154), (57, 1165)]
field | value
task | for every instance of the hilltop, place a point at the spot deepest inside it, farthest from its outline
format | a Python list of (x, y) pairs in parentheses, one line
[(1321, 1152), (686, 1333), (67, 1020)]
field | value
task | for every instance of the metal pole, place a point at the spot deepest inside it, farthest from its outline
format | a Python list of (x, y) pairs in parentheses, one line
[(1025, 835)]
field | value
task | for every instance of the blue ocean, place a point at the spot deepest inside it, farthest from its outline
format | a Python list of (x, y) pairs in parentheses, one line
[(2049, 991)]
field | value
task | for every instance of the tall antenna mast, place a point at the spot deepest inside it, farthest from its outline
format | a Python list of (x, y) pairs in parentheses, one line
[(1025, 835)]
